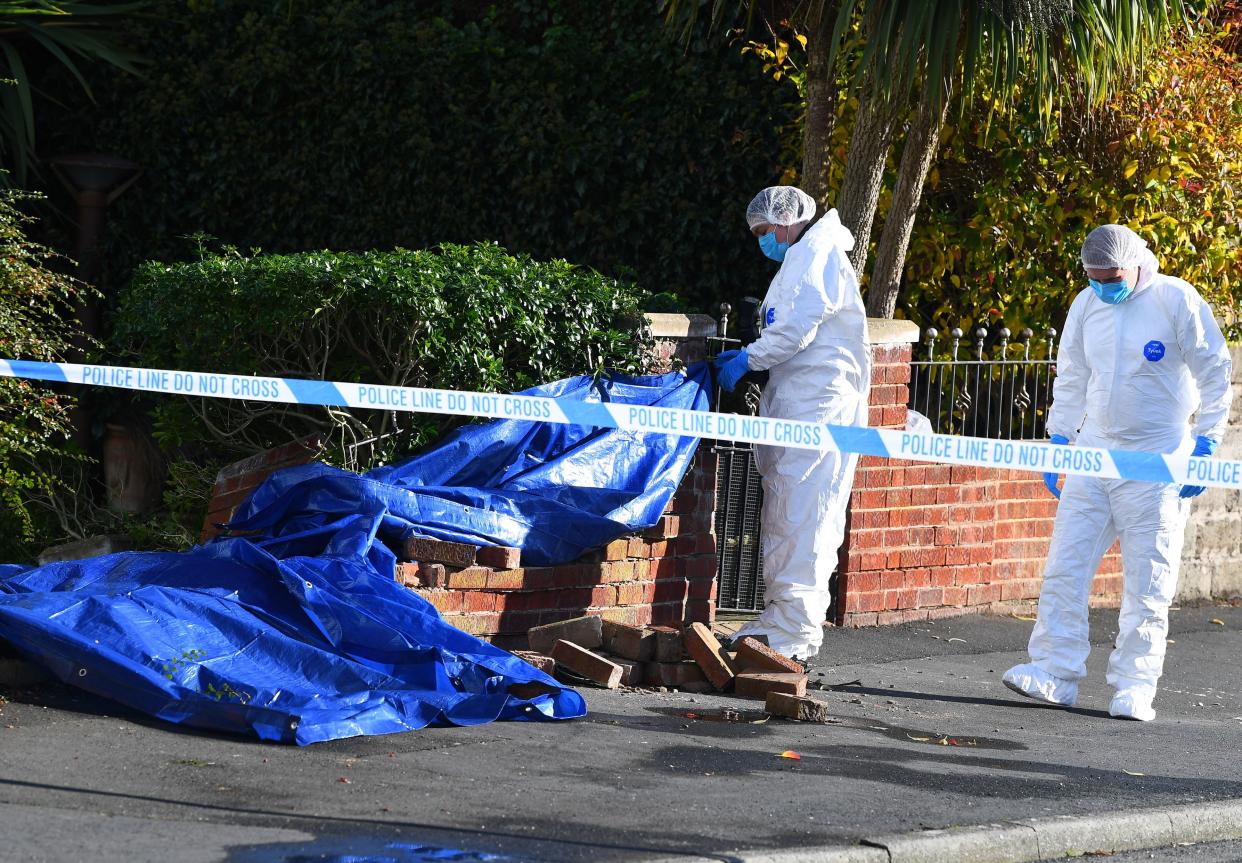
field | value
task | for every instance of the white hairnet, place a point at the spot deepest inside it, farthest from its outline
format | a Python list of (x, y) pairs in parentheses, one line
[(780, 205), (1112, 247)]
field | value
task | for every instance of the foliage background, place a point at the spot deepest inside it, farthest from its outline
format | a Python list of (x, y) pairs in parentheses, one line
[(1006, 211), (35, 324), (562, 128), (1011, 195)]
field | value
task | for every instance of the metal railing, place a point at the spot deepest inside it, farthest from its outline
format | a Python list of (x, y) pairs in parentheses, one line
[(998, 389), (739, 492)]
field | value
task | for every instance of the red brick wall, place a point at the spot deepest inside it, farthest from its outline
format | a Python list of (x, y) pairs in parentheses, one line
[(236, 481), (928, 541)]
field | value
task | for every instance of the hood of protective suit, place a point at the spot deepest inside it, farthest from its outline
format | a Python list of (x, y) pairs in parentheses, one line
[(1149, 268), (838, 234)]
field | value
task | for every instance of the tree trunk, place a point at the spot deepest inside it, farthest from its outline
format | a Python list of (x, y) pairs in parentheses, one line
[(917, 156), (821, 115), (870, 140)]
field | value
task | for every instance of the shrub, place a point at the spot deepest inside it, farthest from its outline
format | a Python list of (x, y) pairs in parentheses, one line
[(34, 418), (457, 317)]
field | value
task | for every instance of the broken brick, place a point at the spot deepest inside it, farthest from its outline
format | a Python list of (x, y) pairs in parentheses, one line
[(631, 672), (669, 647), (439, 551), (583, 631), (498, 557), (754, 684), (631, 642), (407, 574), (592, 666), (433, 574), (795, 707), (544, 663), (755, 655), (709, 654)]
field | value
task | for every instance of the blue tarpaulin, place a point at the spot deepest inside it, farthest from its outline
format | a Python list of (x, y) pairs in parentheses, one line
[(299, 632)]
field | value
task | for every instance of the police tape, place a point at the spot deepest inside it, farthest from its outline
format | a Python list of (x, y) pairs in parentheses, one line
[(1035, 456)]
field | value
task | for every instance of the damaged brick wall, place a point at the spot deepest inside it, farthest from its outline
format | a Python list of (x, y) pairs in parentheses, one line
[(664, 575)]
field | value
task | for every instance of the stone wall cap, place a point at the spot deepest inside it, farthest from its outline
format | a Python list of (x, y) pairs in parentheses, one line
[(884, 331), (666, 325)]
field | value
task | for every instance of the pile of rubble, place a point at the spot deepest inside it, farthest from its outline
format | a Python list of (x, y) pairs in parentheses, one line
[(613, 655)]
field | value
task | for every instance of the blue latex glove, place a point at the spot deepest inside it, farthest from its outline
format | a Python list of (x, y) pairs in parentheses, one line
[(1204, 447), (730, 366), (1050, 479)]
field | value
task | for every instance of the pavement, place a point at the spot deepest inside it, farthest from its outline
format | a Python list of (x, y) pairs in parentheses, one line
[(929, 758)]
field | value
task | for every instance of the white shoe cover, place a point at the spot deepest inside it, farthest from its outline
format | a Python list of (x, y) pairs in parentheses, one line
[(1133, 703), (1029, 680)]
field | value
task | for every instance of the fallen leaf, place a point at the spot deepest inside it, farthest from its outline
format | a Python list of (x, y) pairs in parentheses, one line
[(1132, 773), (918, 739), (789, 753), (1171, 641), (1217, 621), (343, 780)]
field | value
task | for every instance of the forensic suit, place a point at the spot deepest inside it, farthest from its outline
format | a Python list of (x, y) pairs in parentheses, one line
[(1129, 376), (814, 345)]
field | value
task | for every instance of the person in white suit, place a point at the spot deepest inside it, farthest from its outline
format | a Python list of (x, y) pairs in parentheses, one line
[(814, 345), (1142, 366)]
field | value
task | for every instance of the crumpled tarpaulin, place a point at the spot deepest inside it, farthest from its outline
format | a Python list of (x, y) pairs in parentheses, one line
[(553, 490), (300, 633)]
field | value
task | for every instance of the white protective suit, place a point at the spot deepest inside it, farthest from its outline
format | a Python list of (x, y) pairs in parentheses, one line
[(814, 345), (1129, 376)]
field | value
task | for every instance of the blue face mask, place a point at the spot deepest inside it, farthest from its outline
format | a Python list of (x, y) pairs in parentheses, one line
[(771, 248), (1111, 292)]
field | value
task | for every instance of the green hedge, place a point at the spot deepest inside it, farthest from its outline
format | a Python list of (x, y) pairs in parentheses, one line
[(458, 317), (564, 128)]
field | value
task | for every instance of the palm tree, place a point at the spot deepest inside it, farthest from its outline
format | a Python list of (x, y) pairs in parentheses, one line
[(69, 32), (919, 59)]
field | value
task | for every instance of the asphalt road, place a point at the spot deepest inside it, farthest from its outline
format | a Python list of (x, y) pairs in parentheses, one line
[(926, 738)]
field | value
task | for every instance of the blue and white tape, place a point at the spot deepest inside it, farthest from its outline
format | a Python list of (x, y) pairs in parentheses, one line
[(1032, 456)]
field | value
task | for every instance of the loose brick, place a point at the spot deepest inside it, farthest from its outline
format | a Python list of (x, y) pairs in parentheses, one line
[(499, 557), (669, 646), (438, 551), (709, 654), (673, 673), (753, 655), (585, 632), (544, 663), (795, 707), (629, 642), (754, 684), (592, 666)]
